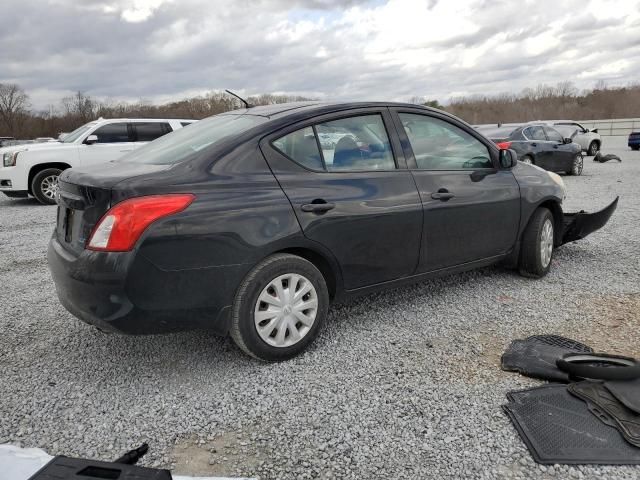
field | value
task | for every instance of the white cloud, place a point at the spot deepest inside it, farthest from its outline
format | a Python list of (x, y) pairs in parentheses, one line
[(162, 49)]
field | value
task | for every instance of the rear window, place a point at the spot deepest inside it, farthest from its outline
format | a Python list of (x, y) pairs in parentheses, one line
[(178, 146), (497, 132), (149, 131)]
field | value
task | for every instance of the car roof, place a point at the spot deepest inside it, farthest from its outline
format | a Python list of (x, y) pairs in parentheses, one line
[(112, 120), (283, 109)]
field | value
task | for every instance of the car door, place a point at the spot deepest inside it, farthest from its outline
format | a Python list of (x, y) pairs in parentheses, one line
[(539, 145), (561, 154), (471, 208), (347, 182), (114, 140), (144, 132)]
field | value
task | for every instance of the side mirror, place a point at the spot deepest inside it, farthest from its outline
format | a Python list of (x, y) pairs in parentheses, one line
[(91, 139), (567, 140), (508, 158), (595, 130)]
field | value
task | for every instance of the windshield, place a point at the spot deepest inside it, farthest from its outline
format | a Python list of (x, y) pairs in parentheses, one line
[(179, 145), (77, 133)]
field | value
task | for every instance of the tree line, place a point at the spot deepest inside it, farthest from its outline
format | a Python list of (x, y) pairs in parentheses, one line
[(562, 101)]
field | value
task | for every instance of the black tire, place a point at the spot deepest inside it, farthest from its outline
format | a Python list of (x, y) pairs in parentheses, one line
[(576, 165), (531, 263), (40, 185), (635, 148), (528, 159), (593, 148), (244, 331)]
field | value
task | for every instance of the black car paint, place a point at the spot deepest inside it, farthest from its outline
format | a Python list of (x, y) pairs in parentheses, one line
[(551, 155), (184, 270)]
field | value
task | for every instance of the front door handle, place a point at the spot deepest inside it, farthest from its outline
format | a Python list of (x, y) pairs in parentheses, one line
[(534, 144), (318, 207), (443, 195)]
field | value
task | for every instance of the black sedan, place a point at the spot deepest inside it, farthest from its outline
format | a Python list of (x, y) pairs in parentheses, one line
[(248, 224), (539, 145)]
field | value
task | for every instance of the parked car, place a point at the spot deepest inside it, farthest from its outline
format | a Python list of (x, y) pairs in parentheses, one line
[(634, 141), (589, 140), (33, 169), (244, 223), (539, 145)]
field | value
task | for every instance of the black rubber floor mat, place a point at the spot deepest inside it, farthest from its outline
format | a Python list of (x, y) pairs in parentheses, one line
[(559, 428), (600, 400), (628, 392), (536, 356)]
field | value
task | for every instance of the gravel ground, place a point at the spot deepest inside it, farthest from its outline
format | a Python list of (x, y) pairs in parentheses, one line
[(404, 384)]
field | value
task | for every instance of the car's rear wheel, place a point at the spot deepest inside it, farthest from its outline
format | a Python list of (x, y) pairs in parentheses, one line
[(635, 148), (528, 159), (593, 148), (536, 250), (577, 165), (279, 308), (44, 185)]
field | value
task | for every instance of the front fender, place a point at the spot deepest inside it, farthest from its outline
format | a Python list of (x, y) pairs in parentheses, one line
[(578, 225)]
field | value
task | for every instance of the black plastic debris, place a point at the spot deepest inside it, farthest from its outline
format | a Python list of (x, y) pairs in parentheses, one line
[(628, 392), (559, 428), (599, 366), (536, 356), (605, 158), (609, 409)]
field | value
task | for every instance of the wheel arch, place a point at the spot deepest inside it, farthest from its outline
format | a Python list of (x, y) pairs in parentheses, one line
[(556, 210), (33, 171), (330, 271)]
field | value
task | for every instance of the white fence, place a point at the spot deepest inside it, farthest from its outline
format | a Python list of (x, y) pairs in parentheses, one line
[(614, 126)]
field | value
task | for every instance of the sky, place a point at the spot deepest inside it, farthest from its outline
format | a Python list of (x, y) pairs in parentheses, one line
[(164, 50)]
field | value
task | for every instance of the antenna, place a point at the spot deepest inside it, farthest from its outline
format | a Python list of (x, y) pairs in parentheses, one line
[(246, 104)]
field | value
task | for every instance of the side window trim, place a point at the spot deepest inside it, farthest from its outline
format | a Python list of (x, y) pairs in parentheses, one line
[(315, 134), (398, 155), (408, 149)]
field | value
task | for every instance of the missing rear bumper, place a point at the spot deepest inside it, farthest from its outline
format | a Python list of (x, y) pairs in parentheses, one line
[(579, 225)]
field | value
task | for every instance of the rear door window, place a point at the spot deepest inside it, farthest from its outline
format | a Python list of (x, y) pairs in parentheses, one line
[(535, 133), (348, 144), (301, 146), (112, 133), (149, 131)]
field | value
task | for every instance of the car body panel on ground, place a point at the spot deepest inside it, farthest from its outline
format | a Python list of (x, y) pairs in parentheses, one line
[(358, 208)]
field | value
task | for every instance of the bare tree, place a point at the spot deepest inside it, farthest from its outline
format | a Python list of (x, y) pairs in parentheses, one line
[(14, 103), (81, 106)]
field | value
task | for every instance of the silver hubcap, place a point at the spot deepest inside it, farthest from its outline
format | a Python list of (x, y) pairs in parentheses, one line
[(527, 160), (49, 186), (286, 310), (546, 243)]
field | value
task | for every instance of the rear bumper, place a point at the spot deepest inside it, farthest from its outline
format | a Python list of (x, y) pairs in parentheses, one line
[(579, 225), (125, 293)]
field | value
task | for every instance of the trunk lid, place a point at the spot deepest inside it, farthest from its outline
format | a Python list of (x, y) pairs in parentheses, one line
[(84, 196)]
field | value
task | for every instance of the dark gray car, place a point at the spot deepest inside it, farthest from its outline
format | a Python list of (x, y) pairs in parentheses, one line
[(252, 222)]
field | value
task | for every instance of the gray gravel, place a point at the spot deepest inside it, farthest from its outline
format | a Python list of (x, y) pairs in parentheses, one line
[(403, 384)]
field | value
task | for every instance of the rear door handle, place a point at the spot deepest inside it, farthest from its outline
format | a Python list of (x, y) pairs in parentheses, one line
[(534, 144), (443, 195), (318, 207)]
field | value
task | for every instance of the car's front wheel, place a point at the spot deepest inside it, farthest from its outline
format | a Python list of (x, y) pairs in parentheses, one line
[(44, 185), (279, 308), (536, 250), (577, 165), (528, 159)]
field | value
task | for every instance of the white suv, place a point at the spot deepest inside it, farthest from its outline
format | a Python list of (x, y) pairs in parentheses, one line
[(34, 168), (589, 140)]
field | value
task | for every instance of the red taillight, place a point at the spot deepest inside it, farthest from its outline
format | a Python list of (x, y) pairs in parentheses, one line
[(504, 145), (120, 228)]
